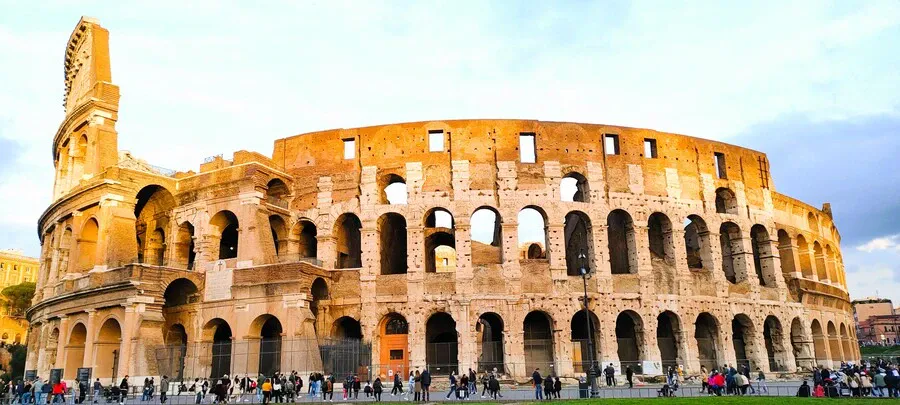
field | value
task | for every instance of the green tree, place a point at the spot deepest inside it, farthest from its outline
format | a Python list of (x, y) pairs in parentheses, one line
[(17, 363), (18, 297)]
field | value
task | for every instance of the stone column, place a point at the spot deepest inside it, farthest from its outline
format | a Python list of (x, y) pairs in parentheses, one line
[(91, 327), (129, 326), (602, 272), (253, 223), (651, 345), (326, 247), (556, 249), (116, 242)]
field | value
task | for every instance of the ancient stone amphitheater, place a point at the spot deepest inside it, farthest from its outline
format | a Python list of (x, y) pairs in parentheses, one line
[(440, 244)]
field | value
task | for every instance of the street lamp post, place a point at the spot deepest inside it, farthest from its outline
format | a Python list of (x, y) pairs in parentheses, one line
[(593, 369)]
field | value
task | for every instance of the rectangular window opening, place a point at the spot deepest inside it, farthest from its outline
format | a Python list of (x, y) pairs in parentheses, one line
[(650, 148), (436, 140), (526, 148), (720, 165), (611, 144), (396, 354), (349, 148)]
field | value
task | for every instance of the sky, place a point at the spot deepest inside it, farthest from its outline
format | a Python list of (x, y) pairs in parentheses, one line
[(814, 84)]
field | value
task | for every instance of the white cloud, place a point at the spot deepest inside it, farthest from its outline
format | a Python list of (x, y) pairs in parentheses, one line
[(891, 242)]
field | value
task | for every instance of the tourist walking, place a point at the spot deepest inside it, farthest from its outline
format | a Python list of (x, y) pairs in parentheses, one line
[(537, 380), (376, 389), (629, 374)]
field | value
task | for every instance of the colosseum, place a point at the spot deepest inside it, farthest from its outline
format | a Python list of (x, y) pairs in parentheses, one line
[(438, 244)]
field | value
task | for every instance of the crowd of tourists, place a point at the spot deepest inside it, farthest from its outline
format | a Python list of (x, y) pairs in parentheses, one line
[(877, 378)]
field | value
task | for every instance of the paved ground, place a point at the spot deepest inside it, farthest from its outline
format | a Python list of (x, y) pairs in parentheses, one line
[(780, 388)]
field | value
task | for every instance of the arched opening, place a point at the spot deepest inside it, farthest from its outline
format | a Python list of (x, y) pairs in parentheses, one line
[(820, 343), (846, 345), (535, 251), (176, 348), (668, 338), (538, 340), (277, 193), (184, 246), (394, 330), (834, 343), (87, 245), (279, 234), (773, 337), (629, 337), (440, 241), (74, 351), (532, 229), (346, 327), (107, 349), (697, 244), (486, 237), (659, 231), (393, 190), (220, 363), (726, 202), (829, 266), (306, 235), (442, 344), (180, 292), (319, 292), (812, 223), (392, 238), (79, 159), (786, 252), (574, 187), (622, 251), (763, 257), (805, 262), (269, 345), (706, 333), (742, 338), (819, 254), (225, 226), (798, 342), (579, 241), (348, 241), (583, 328), (732, 252), (152, 211), (489, 334)]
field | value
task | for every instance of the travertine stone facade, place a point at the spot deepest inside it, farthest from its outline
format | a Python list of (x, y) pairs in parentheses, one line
[(694, 257)]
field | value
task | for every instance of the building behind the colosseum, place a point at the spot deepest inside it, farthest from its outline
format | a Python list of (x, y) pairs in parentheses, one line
[(300, 260)]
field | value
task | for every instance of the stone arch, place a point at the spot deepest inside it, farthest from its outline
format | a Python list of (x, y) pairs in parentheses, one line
[(152, 211), (732, 252), (786, 252), (346, 327), (533, 228), (489, 331), (670, 339), (535, 251), (622, 244), (763, 256), (834, 344), (659, 232), (579, 240), (278, 193), (224, 226), (798, 342), (440, 241), (538, 340), (74, 349), (441, 343), (820, 343), (630, 340), (305, 234), (846, 343), (486, 233), (392, 243), (175, 340), (806, 267), (179, 292), (830, 269), (393, 189), (393, 336), (742, 338), (80, 158), (819, 254), (348, 241), (318, 291), (574, 187), (706, 333), (269, 330), (107, 348), (279, 232), (726, 201), (185, 253), (87, 245), (773, 339), (219, 333), (697, 243), (583, 328)]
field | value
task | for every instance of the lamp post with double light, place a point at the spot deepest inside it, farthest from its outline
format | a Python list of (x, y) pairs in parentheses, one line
[(593, 370)]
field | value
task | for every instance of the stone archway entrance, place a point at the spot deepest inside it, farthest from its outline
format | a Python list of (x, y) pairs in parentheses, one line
[(394, 335)]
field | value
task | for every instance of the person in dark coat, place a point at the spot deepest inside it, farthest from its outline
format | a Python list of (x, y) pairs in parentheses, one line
[(426, 384), (804, 391), (629, 374), (548, 388), (376, 389), (557, 388), (537, 380)]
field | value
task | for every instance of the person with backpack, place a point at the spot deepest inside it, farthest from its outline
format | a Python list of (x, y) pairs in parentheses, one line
[(327, 389), (376, 389)]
